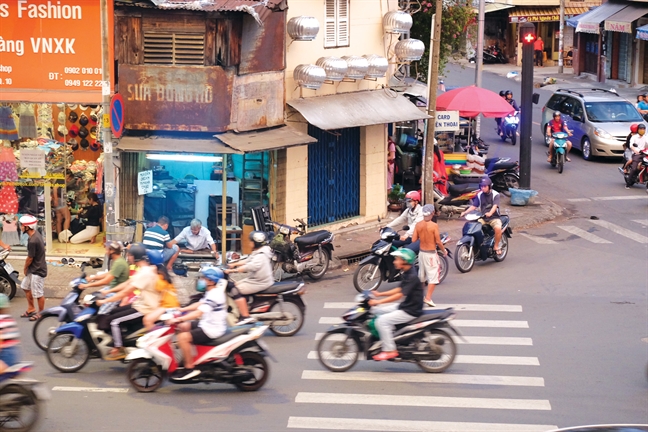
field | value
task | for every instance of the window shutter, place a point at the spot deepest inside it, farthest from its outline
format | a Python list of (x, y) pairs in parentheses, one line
[(330, 39), (158, 48), (174, 49), (343, 23)]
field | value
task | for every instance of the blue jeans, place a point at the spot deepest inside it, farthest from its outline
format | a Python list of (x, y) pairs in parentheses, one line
[(407, 243), (167, 253), (9, 355)]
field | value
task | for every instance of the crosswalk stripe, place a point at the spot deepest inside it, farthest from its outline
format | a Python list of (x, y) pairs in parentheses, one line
[(621, 231), (456, 323), (422, 401), (474, 359), (90, 389), (584, 234), (622, 197), (579, 199), (539, 240), (357, 424), (478, 340), (643, 222), (458, 307), (425, 378)]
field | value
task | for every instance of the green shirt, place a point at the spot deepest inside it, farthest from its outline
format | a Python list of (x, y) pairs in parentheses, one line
[(120, 271)]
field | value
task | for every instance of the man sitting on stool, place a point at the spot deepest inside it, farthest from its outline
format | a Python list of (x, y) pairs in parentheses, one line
[(197, 238)]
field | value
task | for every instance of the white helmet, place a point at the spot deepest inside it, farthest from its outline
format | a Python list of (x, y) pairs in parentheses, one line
[(28, 221)]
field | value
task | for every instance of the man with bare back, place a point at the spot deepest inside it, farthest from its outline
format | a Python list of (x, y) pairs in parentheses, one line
[(427, 232)]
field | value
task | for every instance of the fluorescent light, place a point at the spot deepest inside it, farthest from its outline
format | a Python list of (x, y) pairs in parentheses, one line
[(184, 157)]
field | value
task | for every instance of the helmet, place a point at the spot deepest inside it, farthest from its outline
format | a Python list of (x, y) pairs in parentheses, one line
[(641, 126), (155, 257), (115, 246), (138, 252), (28, 221), (502, 93), (259, 238), (634, 127), (213, 274), (485, 182), (508, 92), (413, 195), (406, 255), (4, 301), (557, 114)]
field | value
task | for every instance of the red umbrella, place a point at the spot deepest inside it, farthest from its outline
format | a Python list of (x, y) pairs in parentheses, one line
[(471, 101)]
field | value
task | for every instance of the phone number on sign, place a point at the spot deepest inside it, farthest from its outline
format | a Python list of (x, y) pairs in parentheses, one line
[(83, 83), (82, 71)]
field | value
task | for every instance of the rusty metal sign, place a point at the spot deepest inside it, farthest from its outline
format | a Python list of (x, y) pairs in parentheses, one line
[(176, 98)]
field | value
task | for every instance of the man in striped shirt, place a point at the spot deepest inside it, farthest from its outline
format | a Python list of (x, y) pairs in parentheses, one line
[(158, 239), (9, 336)]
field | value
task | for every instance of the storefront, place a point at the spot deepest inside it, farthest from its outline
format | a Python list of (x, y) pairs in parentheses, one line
[(642, 48), (620, 42)]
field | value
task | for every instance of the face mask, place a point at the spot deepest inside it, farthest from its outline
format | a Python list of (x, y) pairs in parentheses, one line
[(201, 286), (410, 204)]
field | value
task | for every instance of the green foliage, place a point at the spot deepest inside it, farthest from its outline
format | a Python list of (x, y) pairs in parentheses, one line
[(457, 17), (396, 194)]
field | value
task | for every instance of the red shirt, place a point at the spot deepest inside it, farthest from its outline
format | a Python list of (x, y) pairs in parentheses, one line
[(538, 45), (557, 126)]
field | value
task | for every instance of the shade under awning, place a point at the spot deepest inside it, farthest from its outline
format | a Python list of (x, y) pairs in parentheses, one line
[(268, 139), (164, 143), (591, 21), (642, 32), (622, 20), (542, 14), (355, 109)]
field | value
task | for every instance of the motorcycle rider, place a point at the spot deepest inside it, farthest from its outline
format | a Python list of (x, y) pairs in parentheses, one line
[(508, 97), (9, 336), (627, 152), (407, 310), (206, 320), (558, 125), (498, 120), (119, 271), (428, 232), (259, 267), (488, 201), (638, 143), (410, 217)]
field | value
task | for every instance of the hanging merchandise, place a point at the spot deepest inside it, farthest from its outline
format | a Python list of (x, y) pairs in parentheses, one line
[(45, 120), (74, 131), (8, 129), (73, 117), (62, 130), (27, 121), (99, 182), (8, 171), (85, 144), (8, 200), (83, 132), (95, 146), (10, 230), (83, 120)]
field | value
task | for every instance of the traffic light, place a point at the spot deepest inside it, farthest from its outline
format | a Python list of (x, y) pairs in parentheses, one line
[(527, 33)]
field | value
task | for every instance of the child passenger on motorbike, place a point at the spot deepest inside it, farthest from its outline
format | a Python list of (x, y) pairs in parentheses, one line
[(206, 320), (9, 336), (168, 297)]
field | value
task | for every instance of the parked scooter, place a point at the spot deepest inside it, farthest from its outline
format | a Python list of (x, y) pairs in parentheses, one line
[(478, 242), (457, 200), (509, 127), (20, 400), (8, 276), (559, 150), (425, 340), (642, 175), (379, 266), (503, 173)]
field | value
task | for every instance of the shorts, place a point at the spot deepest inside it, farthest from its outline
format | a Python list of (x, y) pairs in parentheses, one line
[(494, 223), (9, 355), (167, 253), (35, 284), (429, 267), (198, 336)]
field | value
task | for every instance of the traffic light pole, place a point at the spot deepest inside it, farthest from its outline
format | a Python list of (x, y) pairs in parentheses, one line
[(527, 36)]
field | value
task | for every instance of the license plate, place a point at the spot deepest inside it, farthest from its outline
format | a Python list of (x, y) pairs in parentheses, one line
[(9, 268)]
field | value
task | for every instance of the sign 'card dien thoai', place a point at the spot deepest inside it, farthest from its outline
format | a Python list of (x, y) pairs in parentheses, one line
[(50, 50)]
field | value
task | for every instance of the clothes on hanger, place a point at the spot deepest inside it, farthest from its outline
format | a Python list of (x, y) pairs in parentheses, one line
[(10, 230), (8, 170), (8, 129), (27, 121), (8, 200)]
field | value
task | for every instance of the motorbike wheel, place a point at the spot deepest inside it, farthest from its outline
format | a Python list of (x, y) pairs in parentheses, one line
[(362, 275), (514, 138), (60, 355), (503, 249), (43, 330), (144, 375), (338, 352), (292, 328), (503, 137), (464, 260), (19, 408), (561, 163), (323, 258), (441, 345), (443, 268), (256, 363), (511, 181), (7, 287)]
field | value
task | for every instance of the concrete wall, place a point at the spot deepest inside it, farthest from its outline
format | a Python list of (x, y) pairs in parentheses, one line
[(373, 175)]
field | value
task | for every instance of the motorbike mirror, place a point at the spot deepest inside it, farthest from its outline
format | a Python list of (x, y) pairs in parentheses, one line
[(536, 98), (406, 228), (577, 118)]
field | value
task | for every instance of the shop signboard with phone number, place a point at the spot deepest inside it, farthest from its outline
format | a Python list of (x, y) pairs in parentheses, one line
[(50, 50)]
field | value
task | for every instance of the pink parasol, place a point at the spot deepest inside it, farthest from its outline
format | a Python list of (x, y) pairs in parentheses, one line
[(471, 101)]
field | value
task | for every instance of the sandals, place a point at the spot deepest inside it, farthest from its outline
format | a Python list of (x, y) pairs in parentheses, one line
[(27, 314), (34, 317)]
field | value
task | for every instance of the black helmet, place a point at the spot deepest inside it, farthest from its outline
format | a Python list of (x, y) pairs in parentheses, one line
[(259, 238), (508, 92), (485, 182), (138, 252), (502, 93)]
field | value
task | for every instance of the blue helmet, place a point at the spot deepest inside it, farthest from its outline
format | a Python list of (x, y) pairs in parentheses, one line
[(213, 274), (155, 257)]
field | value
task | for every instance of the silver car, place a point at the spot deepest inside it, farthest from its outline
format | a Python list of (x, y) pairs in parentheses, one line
[(599, 119)]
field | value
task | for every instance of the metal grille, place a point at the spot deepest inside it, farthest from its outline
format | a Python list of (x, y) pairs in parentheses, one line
[(174, 49), (333, 175)]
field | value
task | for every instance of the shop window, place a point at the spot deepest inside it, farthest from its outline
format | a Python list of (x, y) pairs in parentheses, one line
[(174, 48), (337, 24)]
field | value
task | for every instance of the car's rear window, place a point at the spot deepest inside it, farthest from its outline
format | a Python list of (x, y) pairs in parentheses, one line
[(605, 112), (555, 101)]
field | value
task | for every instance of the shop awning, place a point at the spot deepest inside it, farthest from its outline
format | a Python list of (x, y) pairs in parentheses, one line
[(355, 109), (591, 21), (622, 20), (268, 139), (542, 14), (642, 32), (494, 7), (172, 144)]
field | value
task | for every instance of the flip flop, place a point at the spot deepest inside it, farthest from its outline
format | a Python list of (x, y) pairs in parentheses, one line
[(34, 317), (567, 159), (27, 314)]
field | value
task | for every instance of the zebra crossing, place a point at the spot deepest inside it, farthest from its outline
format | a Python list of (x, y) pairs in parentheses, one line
[(376, 395), (606, 232)]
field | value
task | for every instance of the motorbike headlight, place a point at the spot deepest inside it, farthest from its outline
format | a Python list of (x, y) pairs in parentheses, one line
[(602, 133), (384, 250)]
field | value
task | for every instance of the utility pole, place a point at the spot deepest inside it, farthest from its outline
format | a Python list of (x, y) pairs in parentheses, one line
[(106, 134), (479, 67), (527, 37), (561, 33), (435, 32)]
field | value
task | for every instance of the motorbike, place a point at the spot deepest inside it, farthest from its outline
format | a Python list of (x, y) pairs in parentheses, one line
[(509, 127), (8, 276), (54, 317), (642, 175), (491, 55), (425, 340), (379, 266), (20, 400), (457, 200), (478, 242), (309, 254), (237, 357), (74, 343), (559, 150)]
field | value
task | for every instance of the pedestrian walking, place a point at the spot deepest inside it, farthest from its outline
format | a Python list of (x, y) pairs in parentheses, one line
[(427, 232), (538, 48), (35, 269)]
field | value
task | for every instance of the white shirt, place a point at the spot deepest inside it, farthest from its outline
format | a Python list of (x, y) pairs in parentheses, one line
[(641, 141), (409, 217), (214, 308), (203, 240)]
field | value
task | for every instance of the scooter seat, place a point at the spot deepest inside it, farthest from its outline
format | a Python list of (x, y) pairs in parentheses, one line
[(231, 334), (458, 180), (501, 165), (280, 287), (456, 190), (428, 314), (312, 238)]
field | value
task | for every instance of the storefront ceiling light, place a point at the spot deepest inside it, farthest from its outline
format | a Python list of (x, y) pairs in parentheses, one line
[(184, 157)]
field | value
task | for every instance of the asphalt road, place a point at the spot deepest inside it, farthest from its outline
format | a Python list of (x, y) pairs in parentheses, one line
[(554, 337)]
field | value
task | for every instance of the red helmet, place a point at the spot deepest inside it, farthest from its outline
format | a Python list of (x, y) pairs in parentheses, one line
[(413, 195), (634, 127)]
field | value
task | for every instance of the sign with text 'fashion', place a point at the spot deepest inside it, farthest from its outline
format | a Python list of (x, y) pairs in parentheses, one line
[(144, 182), (51, 50), (447, 121)]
